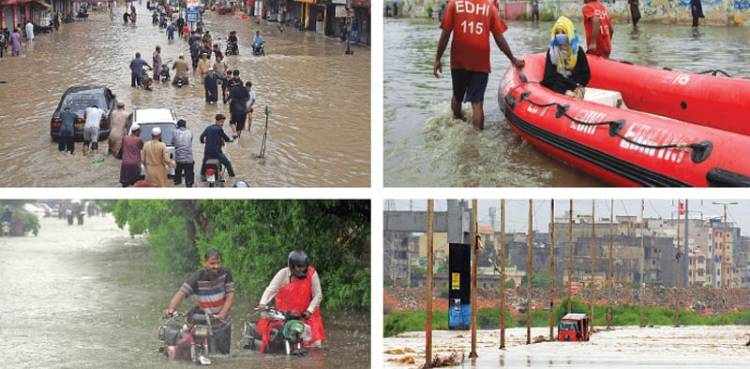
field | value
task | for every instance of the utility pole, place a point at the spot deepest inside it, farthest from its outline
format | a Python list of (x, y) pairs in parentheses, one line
[(678, 277), (610, 278), (430, 244), (529, 273), (474, 252), (643, 263), (552, 273), (502, 274), (570, 257), (593, 261)]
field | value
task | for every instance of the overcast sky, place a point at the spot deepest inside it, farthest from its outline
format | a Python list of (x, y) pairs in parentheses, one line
[(517, 210)]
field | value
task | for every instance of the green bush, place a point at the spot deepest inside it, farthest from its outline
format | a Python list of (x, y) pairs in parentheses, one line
[(255, 238)]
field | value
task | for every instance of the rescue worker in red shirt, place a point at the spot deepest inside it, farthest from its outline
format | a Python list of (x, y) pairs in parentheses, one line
[(598, 27), (297, 290), (471, 22)]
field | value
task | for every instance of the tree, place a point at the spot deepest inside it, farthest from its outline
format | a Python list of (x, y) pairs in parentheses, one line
[(255, 238)]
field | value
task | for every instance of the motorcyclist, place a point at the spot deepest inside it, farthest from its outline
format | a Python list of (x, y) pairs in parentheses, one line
[(297, 290), (154, 17), (233, 42), (213, 288), (181, 68), (214, 138), (7, 216), (258, 42)]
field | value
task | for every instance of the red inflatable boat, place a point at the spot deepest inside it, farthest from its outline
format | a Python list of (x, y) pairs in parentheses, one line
[(674, 129)]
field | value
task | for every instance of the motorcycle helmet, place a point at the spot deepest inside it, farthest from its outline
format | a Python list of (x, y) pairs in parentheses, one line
[(298, 258)]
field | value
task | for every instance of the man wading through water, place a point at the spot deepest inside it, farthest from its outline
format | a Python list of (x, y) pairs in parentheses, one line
[(471, 22), (213, 288)]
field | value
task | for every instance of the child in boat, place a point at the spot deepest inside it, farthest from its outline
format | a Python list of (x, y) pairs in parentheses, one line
[(566, 69)]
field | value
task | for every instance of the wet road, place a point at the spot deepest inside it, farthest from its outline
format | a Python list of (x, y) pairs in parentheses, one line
[(90, 297), (424, 146), (319, 126)]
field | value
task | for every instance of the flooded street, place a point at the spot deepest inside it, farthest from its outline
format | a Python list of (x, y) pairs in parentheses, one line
[(319, 101), (90, 297), (623, 347), (424, 146)]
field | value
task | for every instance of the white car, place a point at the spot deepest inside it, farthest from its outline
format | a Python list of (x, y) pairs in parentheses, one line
[(148, 119)]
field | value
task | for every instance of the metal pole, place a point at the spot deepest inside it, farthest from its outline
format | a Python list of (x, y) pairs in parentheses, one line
[(642, 323), (502, 274), (552, 273), (474, 251), (529, 273), (570, 257), (609, 266), (677, 273), (428, 328), (593, 261)]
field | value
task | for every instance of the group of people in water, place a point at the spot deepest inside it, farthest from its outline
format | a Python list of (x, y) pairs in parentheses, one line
[(566, 68), (295, 288)]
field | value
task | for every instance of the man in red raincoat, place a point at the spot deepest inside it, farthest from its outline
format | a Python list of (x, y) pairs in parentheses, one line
[(296, 289)]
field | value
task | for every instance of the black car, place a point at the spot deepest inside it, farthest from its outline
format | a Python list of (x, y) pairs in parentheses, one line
[(78, 99)]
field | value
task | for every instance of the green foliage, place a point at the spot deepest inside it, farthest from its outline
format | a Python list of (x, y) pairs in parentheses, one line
[(510, 283), (255, 238), (622, 315), (30, 221)]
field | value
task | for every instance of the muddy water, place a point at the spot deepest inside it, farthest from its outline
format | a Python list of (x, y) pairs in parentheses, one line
[(624, 347), (424, 146), (319, 98), (90, 297)]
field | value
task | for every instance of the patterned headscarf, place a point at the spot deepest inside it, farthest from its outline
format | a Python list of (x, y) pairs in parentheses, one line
[(564, 56)]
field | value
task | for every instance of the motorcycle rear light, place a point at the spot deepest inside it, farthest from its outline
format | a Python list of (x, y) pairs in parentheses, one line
[(210, 171)]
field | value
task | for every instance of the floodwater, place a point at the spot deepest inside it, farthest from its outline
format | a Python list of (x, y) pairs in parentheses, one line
[(89, 297), (623, 347), (424, 146), (319, 101)]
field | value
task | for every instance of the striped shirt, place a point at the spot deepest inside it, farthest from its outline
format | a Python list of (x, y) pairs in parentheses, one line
[(210, 295)]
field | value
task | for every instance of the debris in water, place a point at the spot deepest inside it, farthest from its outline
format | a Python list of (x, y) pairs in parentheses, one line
[(538, 339), (399, 351), (403, 360), (452, 360)]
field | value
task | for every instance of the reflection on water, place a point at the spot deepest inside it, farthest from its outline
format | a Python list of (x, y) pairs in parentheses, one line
[(319, 126), (425, 146), (90, 297)]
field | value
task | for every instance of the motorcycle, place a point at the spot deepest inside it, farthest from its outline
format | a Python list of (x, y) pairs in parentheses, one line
[(215, 173), (146, 80), (179, 81), (259, 50), (164, 75), (6, 229), (287, 334), (232, 49), (186, 341)]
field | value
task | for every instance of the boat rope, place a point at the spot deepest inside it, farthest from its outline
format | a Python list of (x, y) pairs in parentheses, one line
[(701, 150), (714, 72)]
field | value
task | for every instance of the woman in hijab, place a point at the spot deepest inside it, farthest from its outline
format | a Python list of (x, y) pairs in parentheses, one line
[(566, 69)]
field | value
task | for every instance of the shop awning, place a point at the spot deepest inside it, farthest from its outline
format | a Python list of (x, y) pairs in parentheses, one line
[(44, 4), (15, 2)]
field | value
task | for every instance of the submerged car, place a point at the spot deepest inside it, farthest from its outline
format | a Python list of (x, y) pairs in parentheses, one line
[(78, 99), (148, 119)]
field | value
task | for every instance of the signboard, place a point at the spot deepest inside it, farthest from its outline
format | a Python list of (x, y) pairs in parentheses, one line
[(193, 14), (340, 11), (459, 292), (455, 281)]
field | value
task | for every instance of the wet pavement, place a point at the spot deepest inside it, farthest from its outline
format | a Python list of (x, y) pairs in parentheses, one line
[(424, 146), (319, 101), (623, 347), (90, 297)]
